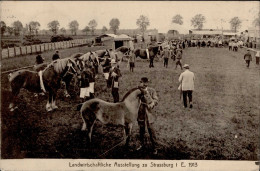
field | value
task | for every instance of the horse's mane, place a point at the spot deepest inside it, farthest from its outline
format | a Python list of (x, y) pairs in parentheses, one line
[(128, 93)]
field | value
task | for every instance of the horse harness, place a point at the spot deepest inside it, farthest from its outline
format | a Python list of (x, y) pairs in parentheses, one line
[(69, 64)]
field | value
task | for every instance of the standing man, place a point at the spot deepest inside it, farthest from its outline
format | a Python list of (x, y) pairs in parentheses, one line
[(248, 58), (166, 56), (187, 85), (145, 116), (178, 57), (257, 56), (131, 61), (56, 56), (39, 59), (114, 75)]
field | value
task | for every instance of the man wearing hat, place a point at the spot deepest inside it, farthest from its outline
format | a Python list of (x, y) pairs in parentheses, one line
[(178, 57), (145, 116), (248, 58), (114, 75), (166, 55), (187, 85), (56, 56)]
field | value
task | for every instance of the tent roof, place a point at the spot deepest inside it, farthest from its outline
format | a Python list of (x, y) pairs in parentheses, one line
[(117, 37), (206, 32)]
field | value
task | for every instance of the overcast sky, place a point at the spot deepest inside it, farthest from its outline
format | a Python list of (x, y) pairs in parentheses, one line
[(159, 13)]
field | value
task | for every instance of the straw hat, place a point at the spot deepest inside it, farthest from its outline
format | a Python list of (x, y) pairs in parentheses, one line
[(186, 66)]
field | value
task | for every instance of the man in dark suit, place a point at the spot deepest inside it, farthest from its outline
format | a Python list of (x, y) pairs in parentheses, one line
[(114, 75), (56, 56), (146, 117)]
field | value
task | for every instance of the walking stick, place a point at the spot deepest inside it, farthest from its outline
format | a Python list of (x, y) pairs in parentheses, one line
[(180, 90)]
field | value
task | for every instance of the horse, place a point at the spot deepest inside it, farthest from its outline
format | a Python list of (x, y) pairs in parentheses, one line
[(148, 53), (47, 80), (122, 113), (121, 51)]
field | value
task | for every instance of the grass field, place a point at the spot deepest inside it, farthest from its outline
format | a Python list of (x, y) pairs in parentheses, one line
[(223, 124)]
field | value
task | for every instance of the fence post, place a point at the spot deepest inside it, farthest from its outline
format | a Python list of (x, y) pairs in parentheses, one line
[(31, 49), (26, 50), (8, 53), (21, 51), (40, 48), (54, 45)]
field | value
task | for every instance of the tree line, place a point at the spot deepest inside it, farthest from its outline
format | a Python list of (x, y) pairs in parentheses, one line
[(142, 22)]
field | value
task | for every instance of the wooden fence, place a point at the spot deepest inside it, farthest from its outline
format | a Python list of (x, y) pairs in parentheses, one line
[(24, 50)]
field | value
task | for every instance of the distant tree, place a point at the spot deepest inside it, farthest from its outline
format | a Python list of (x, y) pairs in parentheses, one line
[(86, 30), (74, 26), (34, 27), (235, 23), (104, 29), (114, 24), (92, 25), (143, 22), (63, 30), (18, 27), (177, 19), (3, 28), (54, 26), (256, 21), (197, 21), (10, 30)]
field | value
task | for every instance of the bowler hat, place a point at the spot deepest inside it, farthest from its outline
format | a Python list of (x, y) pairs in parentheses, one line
[(144, 80), (186, 66)]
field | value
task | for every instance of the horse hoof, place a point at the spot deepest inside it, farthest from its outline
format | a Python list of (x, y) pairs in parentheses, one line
[(13, 108), (49, 109), (54, 107)]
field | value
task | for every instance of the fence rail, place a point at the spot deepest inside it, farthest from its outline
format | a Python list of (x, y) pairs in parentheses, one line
[(31, 49)]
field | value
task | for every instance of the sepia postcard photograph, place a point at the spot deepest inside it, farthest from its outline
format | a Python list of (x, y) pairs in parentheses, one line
[(130, 85)]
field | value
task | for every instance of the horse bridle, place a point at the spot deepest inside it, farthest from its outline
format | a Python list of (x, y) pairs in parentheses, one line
[(69, 64)]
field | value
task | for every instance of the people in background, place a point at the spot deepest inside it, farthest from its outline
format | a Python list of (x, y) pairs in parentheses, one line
[(166, 55), (178, 57), (248, 58), (257, 56), (56, 55), (114, 76), (131, 61)]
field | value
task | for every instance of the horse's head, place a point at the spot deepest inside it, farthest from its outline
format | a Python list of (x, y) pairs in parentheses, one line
[(144, 95), (110, 53), (94, 58), (72, 67)]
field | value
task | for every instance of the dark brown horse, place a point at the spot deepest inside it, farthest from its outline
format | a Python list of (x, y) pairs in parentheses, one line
[(47, 80), (148, 53)]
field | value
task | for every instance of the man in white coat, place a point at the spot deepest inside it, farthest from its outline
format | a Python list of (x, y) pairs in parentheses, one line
[(187, 85)]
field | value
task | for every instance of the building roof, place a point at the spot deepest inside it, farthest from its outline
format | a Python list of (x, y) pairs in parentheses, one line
[(117, 37), (206, 32)]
